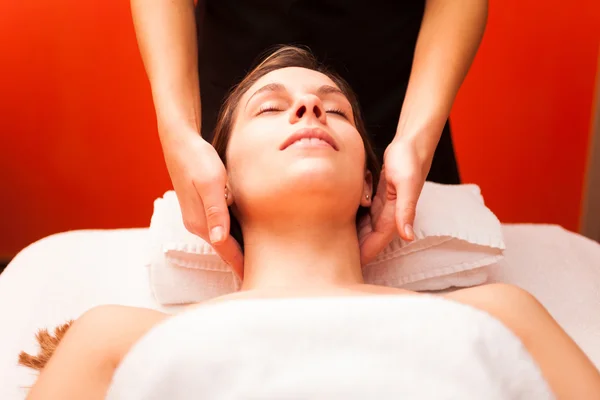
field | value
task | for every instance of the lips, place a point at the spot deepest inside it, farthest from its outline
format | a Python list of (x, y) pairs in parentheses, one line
[(310, 136)]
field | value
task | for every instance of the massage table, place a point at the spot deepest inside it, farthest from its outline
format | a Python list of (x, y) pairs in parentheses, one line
[(63, 275)]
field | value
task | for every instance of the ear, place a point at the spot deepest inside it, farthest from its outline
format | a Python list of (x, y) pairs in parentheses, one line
[(228, 195), (367, 196)]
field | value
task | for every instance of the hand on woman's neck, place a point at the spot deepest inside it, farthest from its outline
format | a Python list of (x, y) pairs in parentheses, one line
[(302, 253)]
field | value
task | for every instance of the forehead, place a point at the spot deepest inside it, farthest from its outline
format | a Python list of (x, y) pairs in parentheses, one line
[(295, 79)]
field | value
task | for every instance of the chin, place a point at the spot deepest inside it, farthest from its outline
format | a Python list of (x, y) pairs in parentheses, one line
[(302, 193), (321, 168), (322, 178)]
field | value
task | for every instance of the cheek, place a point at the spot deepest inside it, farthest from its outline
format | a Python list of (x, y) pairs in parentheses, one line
[(239, 167), (351, 177), (355, 150), (247, 163)]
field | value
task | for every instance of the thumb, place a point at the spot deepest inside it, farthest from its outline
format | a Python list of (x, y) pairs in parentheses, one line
[(406, 207), (217, 213)]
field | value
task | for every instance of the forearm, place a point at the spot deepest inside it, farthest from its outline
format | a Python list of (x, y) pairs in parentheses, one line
[(166, 34), (450, 34)]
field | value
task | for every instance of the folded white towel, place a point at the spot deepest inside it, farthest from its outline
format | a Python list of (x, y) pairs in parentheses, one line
[(455, 236), (383, 347)]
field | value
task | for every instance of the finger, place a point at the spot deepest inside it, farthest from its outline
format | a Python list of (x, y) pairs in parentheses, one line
[(408, 191), (377, 235), (380, 198), (363, 228), (381, 185), (192, 212), (216, 211), (373, 243), (229, 250)]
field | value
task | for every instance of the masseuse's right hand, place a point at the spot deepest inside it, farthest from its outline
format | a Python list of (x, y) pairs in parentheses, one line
[(199, 179)]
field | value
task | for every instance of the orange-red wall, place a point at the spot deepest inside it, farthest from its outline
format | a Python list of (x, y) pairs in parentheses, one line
[(523, 116), (79, 147), (79, 143)]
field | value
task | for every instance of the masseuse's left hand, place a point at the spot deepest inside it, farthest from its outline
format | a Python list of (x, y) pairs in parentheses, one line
[(448, 40), (393, 207)]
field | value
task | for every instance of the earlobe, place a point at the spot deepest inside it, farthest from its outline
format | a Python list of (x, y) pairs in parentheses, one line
[(367, 197), (366, 200), (228, 196)]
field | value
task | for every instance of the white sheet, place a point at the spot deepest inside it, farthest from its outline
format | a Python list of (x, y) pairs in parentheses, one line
[(64, 275), (382, 347), (562, 270)]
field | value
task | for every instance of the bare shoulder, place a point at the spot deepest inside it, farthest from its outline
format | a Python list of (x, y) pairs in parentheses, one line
[(510, 304), (84, 360), (110, 315), (108, 331), (116, 328), (567, 369), (493, 292)]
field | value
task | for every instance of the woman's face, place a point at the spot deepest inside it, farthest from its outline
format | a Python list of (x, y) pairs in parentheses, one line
[(294, 141)]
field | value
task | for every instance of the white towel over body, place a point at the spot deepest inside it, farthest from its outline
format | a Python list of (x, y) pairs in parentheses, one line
[(382, 347)]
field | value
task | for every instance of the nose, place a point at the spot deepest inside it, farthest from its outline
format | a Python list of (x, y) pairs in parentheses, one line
[(307, 107)]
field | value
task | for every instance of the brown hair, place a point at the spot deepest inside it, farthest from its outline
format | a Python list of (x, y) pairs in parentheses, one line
[(285, 57), (48, 344)]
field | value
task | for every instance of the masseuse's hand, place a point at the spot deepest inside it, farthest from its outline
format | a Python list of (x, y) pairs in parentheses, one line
[(199, 179), (395, 202)]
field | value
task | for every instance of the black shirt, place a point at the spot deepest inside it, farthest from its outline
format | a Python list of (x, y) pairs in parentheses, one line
[(369, 43)]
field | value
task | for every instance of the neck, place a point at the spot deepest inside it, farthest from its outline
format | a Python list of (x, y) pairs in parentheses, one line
[(302, 255)]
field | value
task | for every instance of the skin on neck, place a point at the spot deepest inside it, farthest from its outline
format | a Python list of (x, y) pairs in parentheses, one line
[(302, 252)]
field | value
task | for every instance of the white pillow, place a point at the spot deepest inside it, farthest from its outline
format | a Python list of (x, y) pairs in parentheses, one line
[(456, 235)]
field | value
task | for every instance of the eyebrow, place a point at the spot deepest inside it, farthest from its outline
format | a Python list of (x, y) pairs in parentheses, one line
[(278, 87), (271, 87), (327, 89)]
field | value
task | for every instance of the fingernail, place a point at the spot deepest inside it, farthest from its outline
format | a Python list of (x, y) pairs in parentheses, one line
[(216, 234), (408, 230)]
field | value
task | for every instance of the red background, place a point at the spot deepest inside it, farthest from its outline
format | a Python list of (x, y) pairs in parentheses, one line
[(80, 148)]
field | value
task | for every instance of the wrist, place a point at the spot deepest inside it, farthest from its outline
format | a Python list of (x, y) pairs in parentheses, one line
[(176, 128), (177, 115), (422, 131), (425, 110)]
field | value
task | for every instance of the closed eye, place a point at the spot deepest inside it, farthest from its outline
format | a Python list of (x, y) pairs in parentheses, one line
[(267, 109), (338, 112), (272, 108)]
